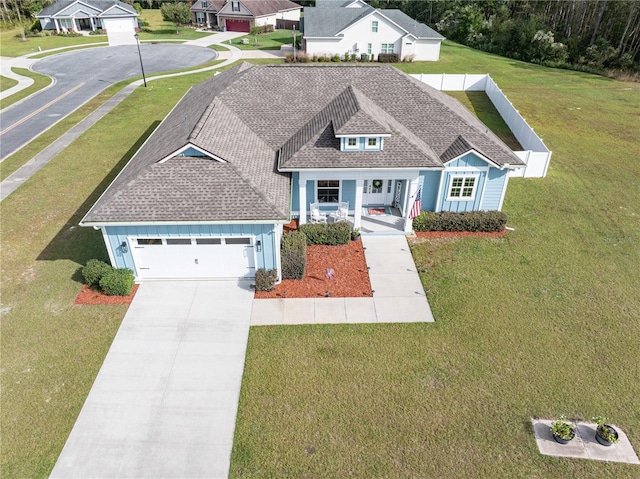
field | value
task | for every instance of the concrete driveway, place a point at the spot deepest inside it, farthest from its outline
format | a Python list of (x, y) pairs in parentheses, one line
[(165, 400), (82, 74)]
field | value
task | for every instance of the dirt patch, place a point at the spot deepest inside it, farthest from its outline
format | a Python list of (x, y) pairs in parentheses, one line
[(339, 271), (90, 296)]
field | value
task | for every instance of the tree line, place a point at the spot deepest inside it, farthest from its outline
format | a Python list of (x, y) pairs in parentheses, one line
[(593, 35)]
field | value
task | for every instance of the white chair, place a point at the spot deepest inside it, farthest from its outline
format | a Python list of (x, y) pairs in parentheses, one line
[(317, 216), (342, 213)]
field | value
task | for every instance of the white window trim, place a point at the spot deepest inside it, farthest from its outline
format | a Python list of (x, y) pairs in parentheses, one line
[(339, 191), (375, 24), (369, 48), (348, 147), (371, 147), (384, 50), (464, 178)]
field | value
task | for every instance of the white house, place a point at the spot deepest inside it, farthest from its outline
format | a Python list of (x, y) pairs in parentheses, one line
[(119, 19), (353, 26)]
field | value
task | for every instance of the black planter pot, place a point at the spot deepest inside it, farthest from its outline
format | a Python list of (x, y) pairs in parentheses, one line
[(602, 440), (563, 441)]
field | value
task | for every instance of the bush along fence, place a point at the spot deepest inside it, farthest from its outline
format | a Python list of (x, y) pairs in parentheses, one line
[(293, 255), (536, 155), (111, 281), (477, 221), (302, 57)]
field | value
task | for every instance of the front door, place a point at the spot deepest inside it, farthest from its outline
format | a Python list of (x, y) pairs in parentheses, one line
[(376, 192)]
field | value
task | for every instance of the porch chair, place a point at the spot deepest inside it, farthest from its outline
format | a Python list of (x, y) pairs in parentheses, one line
[(342, 213), (317, 216)]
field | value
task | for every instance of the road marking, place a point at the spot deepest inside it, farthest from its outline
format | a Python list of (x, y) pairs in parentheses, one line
[(32, 114)]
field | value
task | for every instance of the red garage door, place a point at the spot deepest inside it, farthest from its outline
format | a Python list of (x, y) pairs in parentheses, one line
[(238, 26)]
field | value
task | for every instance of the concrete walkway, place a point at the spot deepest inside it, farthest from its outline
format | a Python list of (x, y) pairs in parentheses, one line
[(165, 400), (398, 293)]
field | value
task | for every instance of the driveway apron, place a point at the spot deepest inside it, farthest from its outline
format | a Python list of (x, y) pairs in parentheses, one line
[(164, 403)]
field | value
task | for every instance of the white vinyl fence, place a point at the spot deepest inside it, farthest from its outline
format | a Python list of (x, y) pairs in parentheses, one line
[(536, 155)]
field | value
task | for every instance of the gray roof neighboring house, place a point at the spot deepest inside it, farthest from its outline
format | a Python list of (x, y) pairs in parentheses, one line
[(213, 6), (253, 120), (329, 20), (102, 5)]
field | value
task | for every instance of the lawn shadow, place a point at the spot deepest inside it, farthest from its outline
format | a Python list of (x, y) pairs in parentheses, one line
[(487, 113), (78, 244)]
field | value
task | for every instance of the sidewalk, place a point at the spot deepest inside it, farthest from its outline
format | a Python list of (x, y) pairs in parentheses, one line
[(6, 64), (398, 293)]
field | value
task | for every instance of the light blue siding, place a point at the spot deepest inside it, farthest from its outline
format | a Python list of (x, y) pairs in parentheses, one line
[(462, 206), (430, 185), (116, 235), (493, 189), (466, 161), (193, 152), (349, 192), (295, 192)]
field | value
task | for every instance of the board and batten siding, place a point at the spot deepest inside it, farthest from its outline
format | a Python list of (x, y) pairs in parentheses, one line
[(468, 164), (429, 193), (115, 235), (494, 189)]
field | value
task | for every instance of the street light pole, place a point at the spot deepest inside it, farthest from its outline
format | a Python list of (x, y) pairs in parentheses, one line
[(141, 65)]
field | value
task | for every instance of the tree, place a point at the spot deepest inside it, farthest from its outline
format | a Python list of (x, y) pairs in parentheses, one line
[(176, 13), (255, 31)]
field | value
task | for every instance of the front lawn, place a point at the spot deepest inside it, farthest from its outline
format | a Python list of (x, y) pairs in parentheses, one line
[(13, 46), (265, 41), (6, 83), (39, 82)]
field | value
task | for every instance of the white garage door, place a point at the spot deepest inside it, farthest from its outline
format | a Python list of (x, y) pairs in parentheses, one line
[(225, 257), (120, 31)]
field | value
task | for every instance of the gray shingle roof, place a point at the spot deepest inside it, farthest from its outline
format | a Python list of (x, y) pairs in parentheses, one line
[(328, 20), (250, 115), (213, 6), (267, 7), (101, 5)]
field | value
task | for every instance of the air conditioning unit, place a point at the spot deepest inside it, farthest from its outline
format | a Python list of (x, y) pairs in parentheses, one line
[(356, 47)]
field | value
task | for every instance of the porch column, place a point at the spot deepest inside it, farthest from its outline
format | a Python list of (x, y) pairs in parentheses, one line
[(357, 208), (57, 25), (93, 24), (412, 190), (302, 199)]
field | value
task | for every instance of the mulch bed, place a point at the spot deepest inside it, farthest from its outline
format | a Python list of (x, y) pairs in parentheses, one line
[(90, 296), (350, 276)]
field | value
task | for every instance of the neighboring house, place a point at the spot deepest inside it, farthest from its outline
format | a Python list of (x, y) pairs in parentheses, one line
[(353, 26), (208, 193), (118, 19), (241, 15)]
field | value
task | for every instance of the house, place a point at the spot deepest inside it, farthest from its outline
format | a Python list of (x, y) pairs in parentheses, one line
[(208, 193), (119, 19), (242, 15), (353, 26)]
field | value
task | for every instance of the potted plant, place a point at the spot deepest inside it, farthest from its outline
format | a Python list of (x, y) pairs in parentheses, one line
[(562, 430), (355, 234), (605, 434)]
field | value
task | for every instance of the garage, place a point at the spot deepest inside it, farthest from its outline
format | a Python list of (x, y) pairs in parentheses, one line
[(197, 258), (238, 25), (120, 31)]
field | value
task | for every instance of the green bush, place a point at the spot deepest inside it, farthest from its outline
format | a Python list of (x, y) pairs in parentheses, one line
[(484, 221), (364, 57), (335, 58), (328, 234), (266, 279), (117, 282), (94, 271), (388, 57), (294, 255)]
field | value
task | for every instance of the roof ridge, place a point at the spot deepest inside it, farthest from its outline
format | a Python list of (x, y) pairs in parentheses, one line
[(203, 119)]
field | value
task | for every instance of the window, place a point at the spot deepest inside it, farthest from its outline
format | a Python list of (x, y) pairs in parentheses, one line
[(149, 241), (205, 4), (208, 241), (369, 48), (237, 241), (386, 48), (372, 143), (462, 188), (199, 17), (374, 26), (235, 6), (351, 144), (173, 241), (328, 191)]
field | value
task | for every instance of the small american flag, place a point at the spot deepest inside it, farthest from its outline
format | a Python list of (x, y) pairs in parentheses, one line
[(417, 205)]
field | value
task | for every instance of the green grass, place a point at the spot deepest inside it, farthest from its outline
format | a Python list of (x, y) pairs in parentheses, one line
[(541, 322), (52, 349), (161, 30), (219, 48), (266, 41), (12, 46), (39, 82), (538, 323), (6, 83)]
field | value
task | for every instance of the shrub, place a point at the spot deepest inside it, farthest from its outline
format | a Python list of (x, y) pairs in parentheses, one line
[(388, 57), (96, 32), (328, 234), (117, 282), (409, 58), (335, 58), (94, 271), (266, 279), (353, 57), (364, 57), (288, 58), (294, 255), (484, 221), (314, 58), (346, 56)]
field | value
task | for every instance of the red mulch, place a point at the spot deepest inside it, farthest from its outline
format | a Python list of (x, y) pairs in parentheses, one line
[(456, 234), (350, 279), (90, 296)]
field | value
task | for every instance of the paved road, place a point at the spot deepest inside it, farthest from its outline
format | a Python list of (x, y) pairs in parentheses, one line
[(79, 76)]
